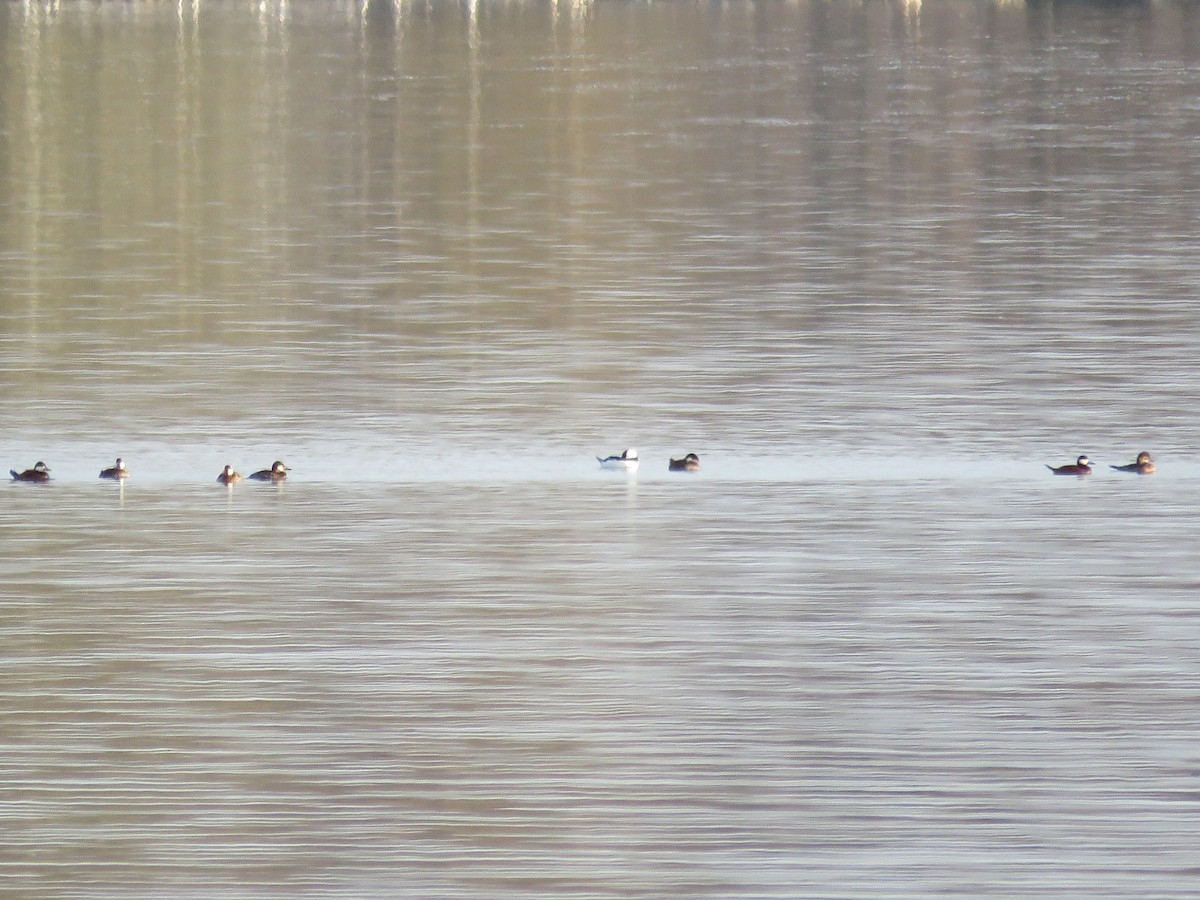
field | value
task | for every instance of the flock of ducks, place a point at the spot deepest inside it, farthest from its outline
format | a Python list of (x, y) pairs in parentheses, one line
[(627, 461), (1143, 465), (277, 472), (41, 472)]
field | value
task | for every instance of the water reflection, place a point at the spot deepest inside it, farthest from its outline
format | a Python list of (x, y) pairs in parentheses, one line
[(830, 217)]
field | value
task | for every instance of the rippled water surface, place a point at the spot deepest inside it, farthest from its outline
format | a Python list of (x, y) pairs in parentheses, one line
[(876, 263)]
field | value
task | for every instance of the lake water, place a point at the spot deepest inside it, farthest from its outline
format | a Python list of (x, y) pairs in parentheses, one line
[(877, 263)]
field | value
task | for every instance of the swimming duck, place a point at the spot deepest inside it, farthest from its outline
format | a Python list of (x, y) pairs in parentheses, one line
[(228, 476), (690, 463), (627, 461), (1143, 465), (116, 472), (38, 473), (1083, 466), (277, 472)]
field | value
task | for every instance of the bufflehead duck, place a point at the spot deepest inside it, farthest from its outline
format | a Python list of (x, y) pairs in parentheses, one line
[(1144, 465), (228, 476), (690, 463), (627, 461), (277, 472), (116, 472), (1083, 466), (38, 473)]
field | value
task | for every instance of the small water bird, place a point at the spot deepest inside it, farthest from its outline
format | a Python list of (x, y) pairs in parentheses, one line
[(690, 463), (627, 461), (1082, 466), (228, 476), (277, 472), (117, 472), (38, 473), (1143, 465)]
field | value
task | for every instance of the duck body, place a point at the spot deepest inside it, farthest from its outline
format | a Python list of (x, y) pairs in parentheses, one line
[(628, 461), (1082, 466), (228, 476), (1143, 465), (117, 472), (689, 463), (38, 473), (277, 472)]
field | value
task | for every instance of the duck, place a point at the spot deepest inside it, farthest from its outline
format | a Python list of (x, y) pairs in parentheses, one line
[(628, 461), (38, 473), (117, 472), (1082, 466), (1143, 465), (689, 463), (277, 472), (228, 476)]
